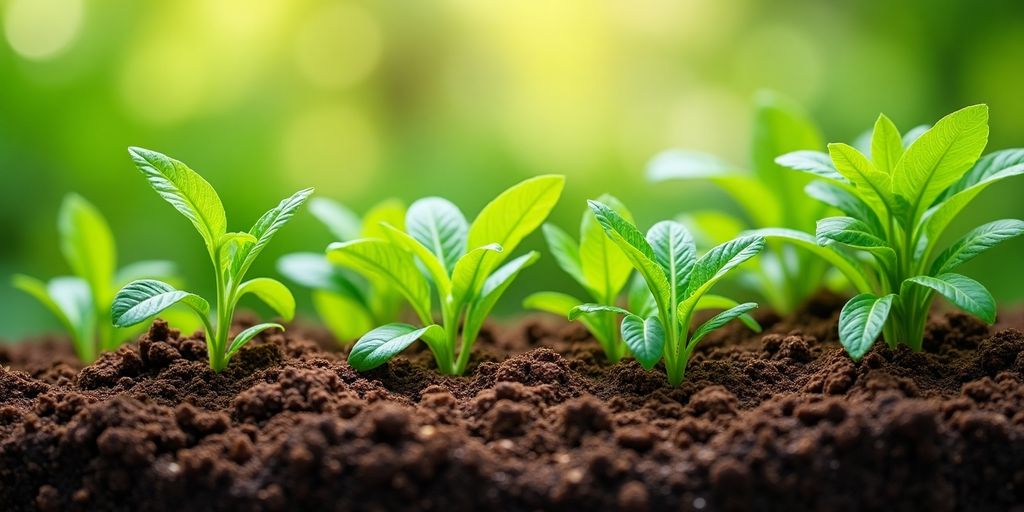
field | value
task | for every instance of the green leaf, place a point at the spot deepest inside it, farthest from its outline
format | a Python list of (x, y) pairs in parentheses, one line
[(552, 302), (390, 212), (431, 264), (247, 335), (853, 233), (720, 302), (640, 299), (342, 223), (645, 339), (714, 265), (388, 262), (313, 271), (185, 190), (68, 298), (440, 226), (265, 228), (149, 269), (914, 133), (514, 214), (941, 156), (566, 252), (344, 316), (975, 242), (674, 250), (88, 245), (710, 227), (848, 266), (886, 145), (381, 344), (861, 321), (604, 267), (588, 308), (140, 300), (469, 274), (635, 247), (987, 166), (494, 287), (937, 219), (872, 185), (964, 292), (842, 200), (721, 319), (272, 293), (813, 162)]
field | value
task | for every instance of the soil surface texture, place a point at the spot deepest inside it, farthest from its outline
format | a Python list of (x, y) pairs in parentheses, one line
[(782, 420)]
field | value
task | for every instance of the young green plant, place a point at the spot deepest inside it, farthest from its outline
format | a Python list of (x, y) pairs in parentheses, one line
[(82, 302), (231, 253), (769, 196), (599, 267), (439, 250), (898, 203), (348, 302), (678, 282)]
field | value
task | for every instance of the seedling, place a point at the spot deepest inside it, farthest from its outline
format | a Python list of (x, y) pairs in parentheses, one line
[(349, 303), (232, 253), (678, 282), (769, 195), (461, 261), (898, 203), (81, 302), (599, 267)]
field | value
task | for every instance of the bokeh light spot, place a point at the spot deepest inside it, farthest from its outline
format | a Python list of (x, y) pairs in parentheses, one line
[(338, 46), (163, 80), (334, 146), (42, 29)]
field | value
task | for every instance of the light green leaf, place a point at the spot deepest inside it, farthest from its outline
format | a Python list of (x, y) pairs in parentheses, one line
[(469, 275), (975, 242), (605, 268), (986, 167), (247, 335), (69, 300), (714, 265), (861, 321), (853, 233), (185, 190), (140, 300), (640, 299), (494, 287), (711, 227), (391, 264), (312, 270), (514, 214), (848, 266), (720, 302), (440, 226), (674, 250), (872, 185), (941, 156), (342, 223), (272, 293), (813, 162), (645, 339), (635, 247), (937, 219), (264, 230), (345, 317), (914, 133), (964, 292), (37, 289), (381, 344), (721, 319), (886, 145), (566, 252), (588, 308), (431, 264), (390, 211), (88, 245), (552, 302), (841, 199), (149, 269)]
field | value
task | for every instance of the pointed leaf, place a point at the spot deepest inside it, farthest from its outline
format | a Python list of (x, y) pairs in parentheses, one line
[(247, 335), (844, 201), (674, 250), (342, 223), (566, 252), (514, 214), (88, 245), (964, 292), (494, 288), (381, 344), (871, 185), (975, 242), (391, 264), (605, 269), (714, 265), (861, 321), (813, 162), (265, 228), (886, 145), (140, 300), (721, 319), (433, 266), (853, 233), (645, 339), (720, 302), (585, 309), (440, 226), (272, 293), (633, 244), (937, 219), (469, 274), (986, 167)]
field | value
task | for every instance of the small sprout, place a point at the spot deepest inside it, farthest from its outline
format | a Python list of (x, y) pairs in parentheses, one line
[(898, 203), (600, 268), (769, 196), (678, 283), (232, 253), (349, 302), (438, 250), (82, 302)]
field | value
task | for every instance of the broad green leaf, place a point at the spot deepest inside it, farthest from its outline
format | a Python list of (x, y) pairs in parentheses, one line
[(711, 227), (886, 145), (342, 223), (975, 242), (604, 267), (229, 246), (149, 269), (589, 308), (566, 252), (469, 275), (941, 156), (872, 185), (674, 250), (720, 302), (848, 266), (914, 133), (272, 293), (313, 271), (861, 321), (185, 190), (964, 292), (937, 219), (645, 339), (431, 264), (494, 287), (345, 317), (88, 245), (721, 319), (265, 228), (633, 244), (514, 214), (381, 344), (853, 233), (986, 167), (440, 226), (69, 300), (247, 335), (140, 300), (390, 211), (813, 162), (391, 264), (552, 302), (37, 289), (714, 265), (841, 199), (639, 298)]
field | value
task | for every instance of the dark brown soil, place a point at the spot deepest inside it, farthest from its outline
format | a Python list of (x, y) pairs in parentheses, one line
[(783, 421)]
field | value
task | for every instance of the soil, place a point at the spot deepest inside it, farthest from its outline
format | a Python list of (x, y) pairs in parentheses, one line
[(779, 421)]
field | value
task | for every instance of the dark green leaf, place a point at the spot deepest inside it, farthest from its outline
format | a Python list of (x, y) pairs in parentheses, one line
[(861, 321), (381, 344), (645, 339), (964, 292)]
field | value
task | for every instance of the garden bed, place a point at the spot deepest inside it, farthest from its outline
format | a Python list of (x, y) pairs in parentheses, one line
[(779, 421)]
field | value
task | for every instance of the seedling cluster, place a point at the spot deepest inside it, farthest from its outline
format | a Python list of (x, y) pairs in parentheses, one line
[(425, 273)]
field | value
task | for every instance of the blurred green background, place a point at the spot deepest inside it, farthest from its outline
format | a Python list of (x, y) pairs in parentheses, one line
[(461, 98)]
